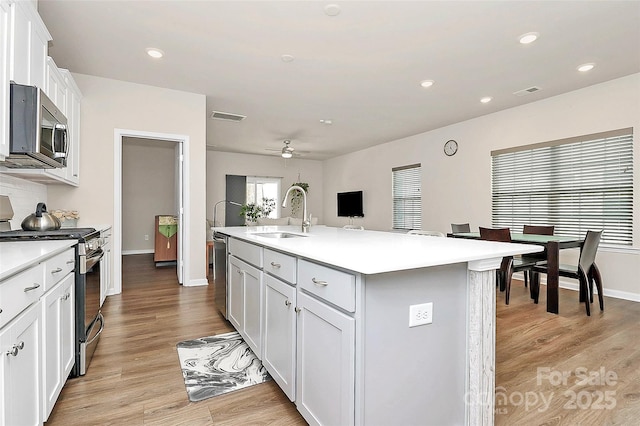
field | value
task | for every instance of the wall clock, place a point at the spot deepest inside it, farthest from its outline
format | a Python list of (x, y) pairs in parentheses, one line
[(450, 147)]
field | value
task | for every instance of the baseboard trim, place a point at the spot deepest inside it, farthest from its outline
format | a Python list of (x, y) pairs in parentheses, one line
[(573, 285), (146, 251)]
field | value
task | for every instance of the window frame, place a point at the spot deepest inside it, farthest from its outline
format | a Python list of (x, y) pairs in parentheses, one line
[(406, 207)]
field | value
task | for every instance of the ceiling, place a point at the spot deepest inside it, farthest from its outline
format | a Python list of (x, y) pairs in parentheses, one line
[(360, 69)]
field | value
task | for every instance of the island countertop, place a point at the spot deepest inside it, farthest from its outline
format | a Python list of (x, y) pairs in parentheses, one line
[(375, 252)]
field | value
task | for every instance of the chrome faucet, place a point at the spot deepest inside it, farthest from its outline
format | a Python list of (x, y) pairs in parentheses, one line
[(306, 223)]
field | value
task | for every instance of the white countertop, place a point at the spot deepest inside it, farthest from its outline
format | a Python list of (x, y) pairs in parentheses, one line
[(374, 252), (16, 256)]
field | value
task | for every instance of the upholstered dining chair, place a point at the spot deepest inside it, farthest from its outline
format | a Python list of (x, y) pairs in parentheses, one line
[(509, 265), (586, 272), (460, 227), (425, 233), (539, 257)]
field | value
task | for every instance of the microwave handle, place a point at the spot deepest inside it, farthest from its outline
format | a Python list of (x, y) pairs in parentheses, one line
[(61, 130)]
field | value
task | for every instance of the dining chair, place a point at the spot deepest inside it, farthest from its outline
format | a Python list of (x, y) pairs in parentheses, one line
[(586, 272), (538, 230), (460, 227), (425, 233), (509, 265)]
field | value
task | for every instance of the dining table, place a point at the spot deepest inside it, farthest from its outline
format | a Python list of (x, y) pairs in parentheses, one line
[(553, 244)]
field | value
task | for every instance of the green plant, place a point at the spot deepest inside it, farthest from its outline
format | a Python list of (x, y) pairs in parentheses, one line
[(296, 197), (253, 211), (268, 205)]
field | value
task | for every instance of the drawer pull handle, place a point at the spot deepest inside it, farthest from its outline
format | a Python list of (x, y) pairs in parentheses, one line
[(35, 286), (276, 265), (319, 283), (70, 262), (55, 271), (66, 296), (287, 303)]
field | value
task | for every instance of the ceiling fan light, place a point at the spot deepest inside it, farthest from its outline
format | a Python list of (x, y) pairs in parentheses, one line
[(286, 153)]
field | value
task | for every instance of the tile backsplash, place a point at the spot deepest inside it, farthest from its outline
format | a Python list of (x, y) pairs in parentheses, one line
[(24, 196)]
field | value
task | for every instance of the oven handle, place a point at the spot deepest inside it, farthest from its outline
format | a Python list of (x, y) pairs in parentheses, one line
[(100, 318), (90, 261)]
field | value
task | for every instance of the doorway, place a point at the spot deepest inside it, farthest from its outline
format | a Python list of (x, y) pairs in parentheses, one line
[(180, 143)]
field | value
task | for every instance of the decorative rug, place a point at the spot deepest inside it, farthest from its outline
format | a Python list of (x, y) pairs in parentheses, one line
[(218, 364)]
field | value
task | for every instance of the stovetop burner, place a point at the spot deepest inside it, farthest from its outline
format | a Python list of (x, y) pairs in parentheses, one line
[(58, 234)]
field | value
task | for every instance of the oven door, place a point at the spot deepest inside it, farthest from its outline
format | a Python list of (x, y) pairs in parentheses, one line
[(93, 319)]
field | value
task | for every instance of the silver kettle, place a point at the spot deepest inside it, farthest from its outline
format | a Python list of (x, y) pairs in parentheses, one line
[(41, 220)]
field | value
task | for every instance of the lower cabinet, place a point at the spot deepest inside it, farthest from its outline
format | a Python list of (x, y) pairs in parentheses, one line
[(325, 389), (58, 333), (280, 333), (246, 302), (20, 369)]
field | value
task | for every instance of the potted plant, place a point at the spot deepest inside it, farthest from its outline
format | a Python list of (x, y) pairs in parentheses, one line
[(253, 211)]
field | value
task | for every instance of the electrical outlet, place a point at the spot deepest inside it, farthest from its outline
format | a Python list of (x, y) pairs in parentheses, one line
[(420, 314), (146, 237)]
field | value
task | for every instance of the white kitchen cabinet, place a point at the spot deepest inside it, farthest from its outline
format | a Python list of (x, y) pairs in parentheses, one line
[(246, 301), (57, 340), (20, 369), (325, 373), (280, 333), (5, 12), (74, 100), (28, 41), (56, 87)]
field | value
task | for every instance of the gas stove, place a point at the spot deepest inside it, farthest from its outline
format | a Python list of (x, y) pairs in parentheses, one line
[(80, 234)]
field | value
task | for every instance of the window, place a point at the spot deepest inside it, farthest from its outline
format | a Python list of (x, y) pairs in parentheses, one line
[(261, 189), (407, 201), (575, 184)]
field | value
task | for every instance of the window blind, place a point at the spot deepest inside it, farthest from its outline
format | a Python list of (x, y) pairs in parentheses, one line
[(407, 199), (577, 184)]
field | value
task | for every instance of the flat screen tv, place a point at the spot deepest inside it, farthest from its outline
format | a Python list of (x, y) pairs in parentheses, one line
[(350, 204)]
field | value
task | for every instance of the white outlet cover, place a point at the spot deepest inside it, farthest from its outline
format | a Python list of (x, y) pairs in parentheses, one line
[(420, 314)]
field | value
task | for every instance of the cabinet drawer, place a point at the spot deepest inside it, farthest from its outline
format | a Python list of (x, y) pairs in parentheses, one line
[(58, 267), (280, 265), (248, 252), (334, 286), (20, 291)]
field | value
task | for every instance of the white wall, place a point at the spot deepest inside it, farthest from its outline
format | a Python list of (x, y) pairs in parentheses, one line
[(111, 104), (220, 164), (458, 189)]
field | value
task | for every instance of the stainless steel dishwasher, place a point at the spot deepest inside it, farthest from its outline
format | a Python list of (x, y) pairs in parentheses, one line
[(220, 254)]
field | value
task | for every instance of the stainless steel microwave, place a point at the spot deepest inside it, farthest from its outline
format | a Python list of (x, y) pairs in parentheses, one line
[(38, 130)]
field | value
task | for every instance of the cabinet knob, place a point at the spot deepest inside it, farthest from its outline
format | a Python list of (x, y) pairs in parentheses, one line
[(319, 283), (297, 310), (287, 303), (275, 265), (14, 350), (35, 286)]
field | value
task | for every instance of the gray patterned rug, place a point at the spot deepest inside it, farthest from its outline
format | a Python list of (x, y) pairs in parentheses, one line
[(218, 364)]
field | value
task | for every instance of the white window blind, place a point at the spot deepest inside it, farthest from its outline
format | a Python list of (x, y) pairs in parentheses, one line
[(407, 199), (577, 184)]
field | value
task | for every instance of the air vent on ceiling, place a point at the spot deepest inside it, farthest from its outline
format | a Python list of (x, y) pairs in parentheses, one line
[(527, 91), (218, 115)]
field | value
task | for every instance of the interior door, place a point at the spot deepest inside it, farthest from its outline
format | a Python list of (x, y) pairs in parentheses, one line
[(180, 208)]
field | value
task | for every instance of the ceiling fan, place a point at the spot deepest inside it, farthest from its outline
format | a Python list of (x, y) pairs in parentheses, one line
[(287, 150)]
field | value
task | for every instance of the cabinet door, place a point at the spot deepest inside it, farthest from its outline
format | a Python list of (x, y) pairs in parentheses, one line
[(67, 328), (51, 348), (253, 296), (325, 381), (20, 358), (105, 270), (236, 293), (280, 333)]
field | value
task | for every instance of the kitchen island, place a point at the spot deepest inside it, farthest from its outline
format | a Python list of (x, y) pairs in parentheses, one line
[(332, 314)]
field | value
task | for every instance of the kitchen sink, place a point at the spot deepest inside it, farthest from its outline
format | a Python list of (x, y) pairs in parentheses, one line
[(277, 235)]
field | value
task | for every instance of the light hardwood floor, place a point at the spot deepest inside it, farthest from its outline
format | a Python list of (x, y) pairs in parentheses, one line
[(135, 377)]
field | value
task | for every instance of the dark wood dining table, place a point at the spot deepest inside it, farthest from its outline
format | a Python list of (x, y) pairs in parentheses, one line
[(553, 244)]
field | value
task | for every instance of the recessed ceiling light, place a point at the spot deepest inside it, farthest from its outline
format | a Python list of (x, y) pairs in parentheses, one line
[(486, 99), (287, 58), (327, 122), (332, 10), (155, 53), (528, 38), (586, 67), (426, 83)]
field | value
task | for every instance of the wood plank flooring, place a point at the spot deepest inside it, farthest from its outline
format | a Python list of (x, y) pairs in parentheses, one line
[(135, 377)]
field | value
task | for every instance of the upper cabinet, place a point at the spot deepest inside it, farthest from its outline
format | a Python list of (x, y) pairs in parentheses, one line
[(5, 12), (23, 59)]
